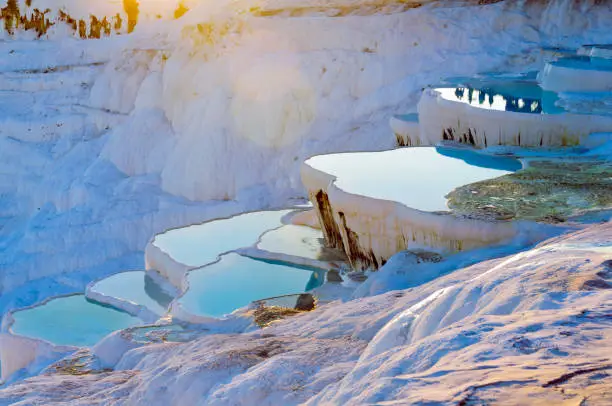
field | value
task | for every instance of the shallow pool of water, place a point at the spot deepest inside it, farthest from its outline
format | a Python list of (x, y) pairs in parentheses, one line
[(135, 287), (71, 320), (236, 281), (299, 241), (513, 96), (417, 177), (201, 244)]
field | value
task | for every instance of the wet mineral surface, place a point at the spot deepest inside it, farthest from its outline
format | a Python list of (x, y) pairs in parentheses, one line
[(547, 191)]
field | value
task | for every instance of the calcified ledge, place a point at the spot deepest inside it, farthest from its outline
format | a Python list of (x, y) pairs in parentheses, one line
[(134, 309), (159, 263), (406, 129), (441, 119), (577, 75), (371, 230)]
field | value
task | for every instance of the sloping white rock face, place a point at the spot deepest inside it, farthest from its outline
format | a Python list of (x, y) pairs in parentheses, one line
[(65, 209), (526, 326)]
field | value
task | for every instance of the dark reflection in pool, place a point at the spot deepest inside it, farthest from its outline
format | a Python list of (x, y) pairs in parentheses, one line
[(519, 96), (156, 292)]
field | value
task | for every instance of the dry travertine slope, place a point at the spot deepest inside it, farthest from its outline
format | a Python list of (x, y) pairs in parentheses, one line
[(531, 328)]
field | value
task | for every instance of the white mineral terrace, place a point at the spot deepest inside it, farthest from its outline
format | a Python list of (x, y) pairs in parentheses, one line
[(293, 260), (219, 289), (139, 293), (298, 245), (225, 264), (406, 129), (419, 178), (375, 204), (175, 252), (485, 120), (54, 327), (581, 74), (601, 51)]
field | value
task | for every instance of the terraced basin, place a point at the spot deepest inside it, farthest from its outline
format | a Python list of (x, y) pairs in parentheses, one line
[(236, 281), (70, 320), (374, 204), (175, 252), (419, 178), (132, 289), (580, 74), (484, 113)]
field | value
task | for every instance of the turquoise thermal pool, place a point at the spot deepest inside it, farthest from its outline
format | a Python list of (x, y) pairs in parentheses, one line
[(299, 241), (202, 244), (512, 96), (70, 320), (136, 287), (419, 177), (236, 281)]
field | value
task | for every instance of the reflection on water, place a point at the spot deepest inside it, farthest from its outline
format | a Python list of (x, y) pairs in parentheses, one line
[(156, 292), (519, 96), (135, 287), (236, 281)]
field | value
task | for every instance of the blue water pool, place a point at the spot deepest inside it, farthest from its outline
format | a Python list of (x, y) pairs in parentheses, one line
[(236, 281), (513, 96), (417, 177), (135, 287), (71, 320), (201, 244)]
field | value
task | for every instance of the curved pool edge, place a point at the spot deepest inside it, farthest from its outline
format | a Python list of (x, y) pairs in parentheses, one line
[(371, 230), (19, 352), (159, 263), (134, 309)]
